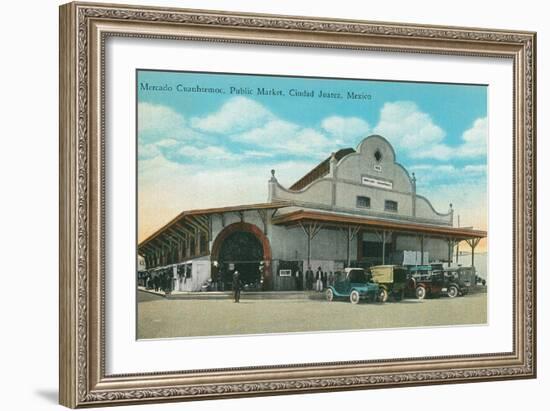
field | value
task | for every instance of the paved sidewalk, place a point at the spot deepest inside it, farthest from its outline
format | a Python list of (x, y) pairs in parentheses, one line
[(256, 295)]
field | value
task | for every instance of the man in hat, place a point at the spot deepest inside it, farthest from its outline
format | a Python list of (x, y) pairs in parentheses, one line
[(236, 286)]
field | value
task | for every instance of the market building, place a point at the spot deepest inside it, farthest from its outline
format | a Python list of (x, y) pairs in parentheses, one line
[(358, 207)]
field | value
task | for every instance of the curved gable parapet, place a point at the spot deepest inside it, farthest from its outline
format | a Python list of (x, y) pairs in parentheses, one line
[(318, 191), (377, 141), (375, 157), (424, 208)]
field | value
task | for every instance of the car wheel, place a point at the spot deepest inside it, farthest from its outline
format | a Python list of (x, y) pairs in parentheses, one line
[(420, 292), (354, 297), (383, 295), (330, 295), (452, 292)]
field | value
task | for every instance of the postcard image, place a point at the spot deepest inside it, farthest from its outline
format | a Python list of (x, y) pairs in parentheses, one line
[(286, 204)]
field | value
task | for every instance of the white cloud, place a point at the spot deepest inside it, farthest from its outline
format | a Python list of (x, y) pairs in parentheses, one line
[(147, 151), (257, 154), (151, 150), (475, 169), (407, 127), (285, 137), (207, 153), (268, 134), (475, 139), (251, 123), (346, 129), (309, 141), (155, 117), (236, 115), (438, 175), (438, 151), (414, 131), (167, 143), (158, 122), (474, 144)]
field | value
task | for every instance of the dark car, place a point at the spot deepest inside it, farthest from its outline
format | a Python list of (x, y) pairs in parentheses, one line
[(460, 280), (425, 282)]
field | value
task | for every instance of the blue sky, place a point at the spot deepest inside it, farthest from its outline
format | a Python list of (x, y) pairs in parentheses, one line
[(190, 141)]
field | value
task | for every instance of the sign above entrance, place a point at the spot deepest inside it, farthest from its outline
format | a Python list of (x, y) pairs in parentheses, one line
[(375, 182)]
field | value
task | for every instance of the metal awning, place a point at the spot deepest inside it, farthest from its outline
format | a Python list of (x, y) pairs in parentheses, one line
[(336, 220), (194, 223)]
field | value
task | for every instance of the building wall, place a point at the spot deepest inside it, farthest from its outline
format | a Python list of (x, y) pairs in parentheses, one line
[(364, 162), (318, 192), (200, 273), (346, 198), (291, 244)]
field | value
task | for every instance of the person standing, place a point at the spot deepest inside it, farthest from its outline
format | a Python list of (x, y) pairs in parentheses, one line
[(299, 280), (309, 279), (236, 286), (319, 280)]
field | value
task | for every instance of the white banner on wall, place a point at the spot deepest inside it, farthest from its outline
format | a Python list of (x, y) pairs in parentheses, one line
[(376, 182)]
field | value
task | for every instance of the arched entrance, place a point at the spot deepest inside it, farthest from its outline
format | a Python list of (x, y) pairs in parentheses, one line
[(243, 247)]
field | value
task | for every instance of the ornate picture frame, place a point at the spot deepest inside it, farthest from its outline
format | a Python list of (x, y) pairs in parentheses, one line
[(84, 30)]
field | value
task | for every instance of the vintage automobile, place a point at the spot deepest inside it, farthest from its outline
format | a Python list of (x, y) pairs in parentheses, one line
[(391, 279), (459, 279), (425, 281), (356, 286)]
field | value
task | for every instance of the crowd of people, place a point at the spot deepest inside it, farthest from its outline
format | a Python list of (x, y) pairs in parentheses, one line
[(315, 281), (160, 280)]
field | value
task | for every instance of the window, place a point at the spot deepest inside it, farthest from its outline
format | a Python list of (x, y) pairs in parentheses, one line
[(363, 202), (390, 205)]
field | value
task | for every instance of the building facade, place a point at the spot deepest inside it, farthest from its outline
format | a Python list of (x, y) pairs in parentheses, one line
[(359, 207)]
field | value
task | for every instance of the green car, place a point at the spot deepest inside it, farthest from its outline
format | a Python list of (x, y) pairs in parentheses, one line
[(357, 286)]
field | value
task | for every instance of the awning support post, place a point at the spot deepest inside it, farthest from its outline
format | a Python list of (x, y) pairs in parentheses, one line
[(421, 250), (384, 247), (383, 236), (450, 244), (310, 230), (473, 242), (350, 233)]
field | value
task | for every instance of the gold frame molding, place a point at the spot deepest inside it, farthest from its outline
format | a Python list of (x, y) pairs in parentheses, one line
[(84, 27)]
